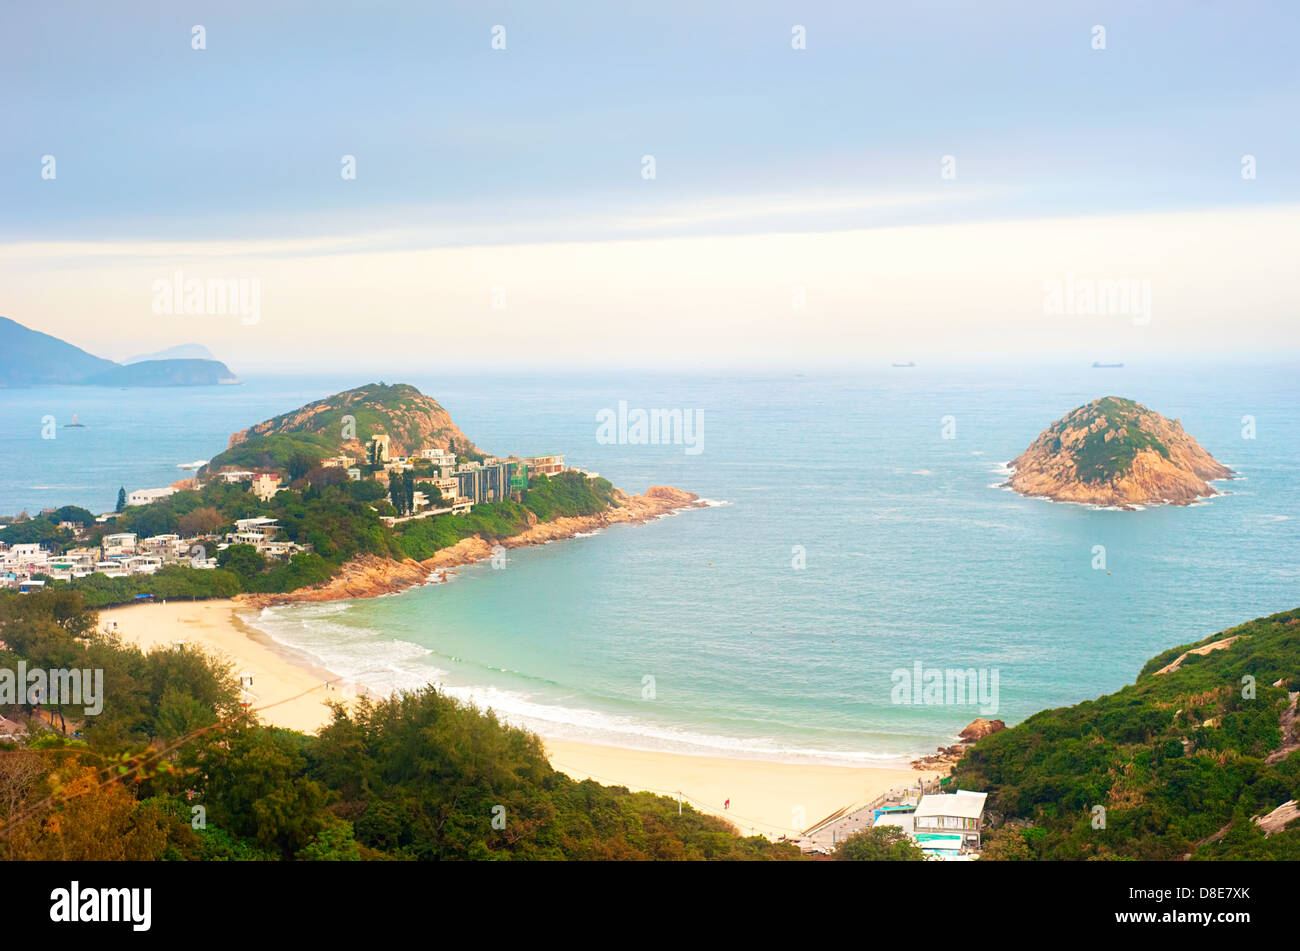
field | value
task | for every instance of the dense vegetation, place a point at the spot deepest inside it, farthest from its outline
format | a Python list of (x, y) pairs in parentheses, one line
[(1109, 450), (172, 770), (343, 422), (1176, 760), (337, 518)]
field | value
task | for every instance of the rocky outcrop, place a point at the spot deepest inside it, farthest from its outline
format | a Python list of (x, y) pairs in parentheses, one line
[(1116, 452), (980, 728), (368, 576)]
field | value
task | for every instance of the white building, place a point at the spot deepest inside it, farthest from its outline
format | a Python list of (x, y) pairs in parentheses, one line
[(148, 496), (949, 822)]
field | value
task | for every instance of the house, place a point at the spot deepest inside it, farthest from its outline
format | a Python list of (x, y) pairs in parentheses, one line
[(949, 822), (545, 465), (265, 485), (118, 545), (149, 496), (439, 457), (232, 476), (354, 474), (336, 462)]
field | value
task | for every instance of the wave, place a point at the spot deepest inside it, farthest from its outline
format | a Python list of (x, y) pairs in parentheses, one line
[(380, 665)]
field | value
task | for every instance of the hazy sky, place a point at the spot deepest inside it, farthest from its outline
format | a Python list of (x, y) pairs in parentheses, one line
[(801, 210)]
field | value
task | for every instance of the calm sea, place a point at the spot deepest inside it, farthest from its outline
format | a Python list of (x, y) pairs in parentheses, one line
[(698, 632)]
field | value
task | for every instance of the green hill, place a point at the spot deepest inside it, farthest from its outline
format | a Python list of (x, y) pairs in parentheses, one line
[(342, 423), (1182, 761)]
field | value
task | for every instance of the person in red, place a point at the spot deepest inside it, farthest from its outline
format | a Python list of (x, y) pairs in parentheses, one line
[(727, 804)]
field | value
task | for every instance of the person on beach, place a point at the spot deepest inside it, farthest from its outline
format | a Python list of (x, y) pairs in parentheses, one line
[(727, 804)]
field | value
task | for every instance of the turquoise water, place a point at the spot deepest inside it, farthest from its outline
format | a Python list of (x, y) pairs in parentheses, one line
[(913, 555)]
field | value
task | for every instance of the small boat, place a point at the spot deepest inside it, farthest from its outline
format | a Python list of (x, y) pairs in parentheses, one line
[(74, 424), (1106, 366)]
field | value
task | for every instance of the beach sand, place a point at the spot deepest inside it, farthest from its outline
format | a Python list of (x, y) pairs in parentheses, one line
[(767, 798), (297, 689)]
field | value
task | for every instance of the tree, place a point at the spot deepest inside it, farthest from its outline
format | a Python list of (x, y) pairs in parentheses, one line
[(299, 464), (879, 844), (121, 499), (244, 560), (1007, 845), (204, 520), (408, 492)]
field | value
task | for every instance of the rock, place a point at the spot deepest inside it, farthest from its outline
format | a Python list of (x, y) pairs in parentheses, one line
[(980, 728), (1116, 452)]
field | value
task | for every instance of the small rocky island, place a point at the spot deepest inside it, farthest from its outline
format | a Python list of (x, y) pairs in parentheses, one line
[(1116, 452)]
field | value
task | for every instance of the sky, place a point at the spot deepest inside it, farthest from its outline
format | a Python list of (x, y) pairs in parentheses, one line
[(920, 181)]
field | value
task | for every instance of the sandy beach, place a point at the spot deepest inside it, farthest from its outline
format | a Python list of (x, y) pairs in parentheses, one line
[(297, 689), (767, 798)]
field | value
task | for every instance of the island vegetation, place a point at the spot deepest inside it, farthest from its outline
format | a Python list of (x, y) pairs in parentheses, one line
[(1194, 760)]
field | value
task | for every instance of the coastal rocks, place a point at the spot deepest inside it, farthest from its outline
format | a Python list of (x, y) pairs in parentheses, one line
[(368, 576), (980, 728), (1116, 452), (946, 757)]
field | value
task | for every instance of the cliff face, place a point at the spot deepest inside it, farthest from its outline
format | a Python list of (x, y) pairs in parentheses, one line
[(411, 420), (1114, 451)]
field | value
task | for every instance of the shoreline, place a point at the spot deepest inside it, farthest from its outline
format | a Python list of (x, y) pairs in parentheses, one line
[(370, 576), (768, 797)]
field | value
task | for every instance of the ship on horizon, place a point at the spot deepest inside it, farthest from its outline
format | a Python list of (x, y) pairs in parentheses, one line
[(1096, 365), (907, 364)]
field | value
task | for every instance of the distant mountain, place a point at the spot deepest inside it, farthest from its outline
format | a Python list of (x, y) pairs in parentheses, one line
[(1115, 451), (31, 358), (165, 373), (184, 351), (343, 423)]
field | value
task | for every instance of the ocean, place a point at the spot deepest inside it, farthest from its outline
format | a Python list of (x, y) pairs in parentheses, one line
[(855, 532)]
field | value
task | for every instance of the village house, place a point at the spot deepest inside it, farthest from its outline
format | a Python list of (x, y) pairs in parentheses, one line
[(265, 485)]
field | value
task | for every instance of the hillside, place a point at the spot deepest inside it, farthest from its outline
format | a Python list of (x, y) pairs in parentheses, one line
[(412, 421), (1115, 451), (31, 358), (183, 351), (1183, 761), (165, 373)]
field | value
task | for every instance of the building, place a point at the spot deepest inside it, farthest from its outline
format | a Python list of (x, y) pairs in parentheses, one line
[(118, 545), (949, 822), (232, 476), (482, 483), (439, 457), (336, 462), (148, 496), (545, 465), (265, 485)]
